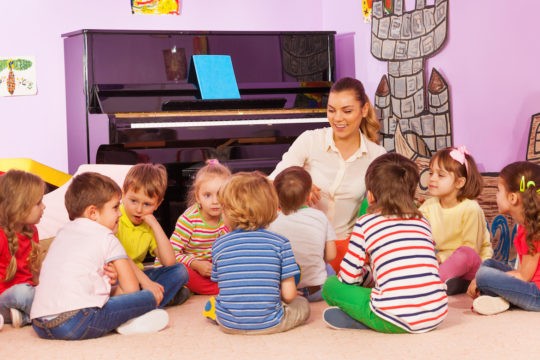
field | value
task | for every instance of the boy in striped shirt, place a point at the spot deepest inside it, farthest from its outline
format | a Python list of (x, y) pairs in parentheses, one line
[(389, 278), (254, 268)]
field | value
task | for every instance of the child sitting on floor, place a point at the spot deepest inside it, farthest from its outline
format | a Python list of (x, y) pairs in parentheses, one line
[(139, 232), (74, 299), (198, 227), (461, 236), (309, 231), (389, 279), (21, 208), (497, 284), (254, 268)]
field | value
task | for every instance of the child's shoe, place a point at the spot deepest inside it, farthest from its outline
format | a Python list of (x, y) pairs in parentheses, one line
[(16, 318), (180, 297), (490, 305), (338, 319), (456, 286), (209, 311), (152, 321)]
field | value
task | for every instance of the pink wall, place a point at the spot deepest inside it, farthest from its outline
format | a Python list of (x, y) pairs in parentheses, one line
[(491, 62)]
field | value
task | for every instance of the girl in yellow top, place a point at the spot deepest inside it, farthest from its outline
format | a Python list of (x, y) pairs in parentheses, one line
[(458, 223)]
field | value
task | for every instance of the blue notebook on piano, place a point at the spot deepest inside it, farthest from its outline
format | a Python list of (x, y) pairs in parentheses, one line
[(214, 76)]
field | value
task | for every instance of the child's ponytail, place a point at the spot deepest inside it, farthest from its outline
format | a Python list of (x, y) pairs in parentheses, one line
[(523, 178)]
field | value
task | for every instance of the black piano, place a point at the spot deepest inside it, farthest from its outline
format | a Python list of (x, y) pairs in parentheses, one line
[(130, 100)]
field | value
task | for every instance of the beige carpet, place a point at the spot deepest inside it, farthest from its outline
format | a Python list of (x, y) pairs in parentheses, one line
[(463, 335)]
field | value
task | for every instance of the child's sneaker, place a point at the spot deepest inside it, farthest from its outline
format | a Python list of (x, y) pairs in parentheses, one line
[(16, 318), (180, 297), (338, 319), (456, 286), (209, 311), (490, 305), (152, 321)]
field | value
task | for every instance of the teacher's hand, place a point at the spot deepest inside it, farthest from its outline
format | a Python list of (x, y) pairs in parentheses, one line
[(315, 195)]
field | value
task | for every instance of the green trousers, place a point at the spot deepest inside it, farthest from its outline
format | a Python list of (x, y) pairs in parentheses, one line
[(354, 300)]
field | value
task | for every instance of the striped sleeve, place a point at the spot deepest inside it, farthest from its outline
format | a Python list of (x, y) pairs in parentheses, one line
[(180, 238), (354, 268)]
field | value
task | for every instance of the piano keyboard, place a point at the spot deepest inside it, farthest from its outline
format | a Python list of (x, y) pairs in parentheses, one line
[(201, 123)]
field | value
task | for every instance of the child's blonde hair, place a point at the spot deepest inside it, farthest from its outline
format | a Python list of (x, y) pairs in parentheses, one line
[(213, 168), (446, 159), (523, 178), (293, 186), (89, 188), (392, 179), (19, 192), (151, 178), (249, 201)]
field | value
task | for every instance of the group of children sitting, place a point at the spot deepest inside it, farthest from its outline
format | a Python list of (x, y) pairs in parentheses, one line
[(263, 252)]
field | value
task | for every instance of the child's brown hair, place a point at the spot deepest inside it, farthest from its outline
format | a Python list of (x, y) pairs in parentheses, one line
[(293, 186), (523, 178), (213, 168), (151, 178), (89, 188), (392, 179), (249, 201), (446, 159), (19, 192)]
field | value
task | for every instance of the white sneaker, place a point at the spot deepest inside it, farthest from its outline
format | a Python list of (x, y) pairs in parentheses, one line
[(1, 322), (152, 321), (490, 305), (16, 318)]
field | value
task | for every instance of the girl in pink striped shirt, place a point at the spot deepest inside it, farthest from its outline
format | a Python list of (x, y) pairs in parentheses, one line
[(199, 226), (389, 278)]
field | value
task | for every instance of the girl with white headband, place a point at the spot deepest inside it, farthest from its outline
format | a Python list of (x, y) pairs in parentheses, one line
[(462, 240)]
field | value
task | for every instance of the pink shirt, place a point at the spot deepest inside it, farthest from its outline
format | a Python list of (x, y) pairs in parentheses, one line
[(520, 243), (72, 274)]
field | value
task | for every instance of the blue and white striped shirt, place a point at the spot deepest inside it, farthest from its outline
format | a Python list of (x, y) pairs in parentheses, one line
[(249, 267)]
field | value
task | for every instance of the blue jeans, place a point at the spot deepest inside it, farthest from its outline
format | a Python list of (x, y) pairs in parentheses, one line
[(94, 322), (172, 278), (19, 297), (491, 279)]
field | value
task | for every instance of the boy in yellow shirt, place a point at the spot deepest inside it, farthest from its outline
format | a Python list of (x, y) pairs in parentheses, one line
[(140, 232)]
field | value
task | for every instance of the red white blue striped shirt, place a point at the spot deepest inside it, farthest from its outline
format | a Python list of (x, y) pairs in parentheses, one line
[(396, 257)]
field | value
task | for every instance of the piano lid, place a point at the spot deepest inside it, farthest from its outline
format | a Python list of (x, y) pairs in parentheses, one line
[(143, 70)]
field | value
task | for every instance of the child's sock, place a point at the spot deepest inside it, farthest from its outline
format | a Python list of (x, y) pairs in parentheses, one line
[(456, 286), (1, 322), (16, 318), (152, 321), (490, 305), (338, 319), (209, 311)]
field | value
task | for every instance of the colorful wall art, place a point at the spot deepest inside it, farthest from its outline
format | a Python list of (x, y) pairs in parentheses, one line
[(17, 76), (155, 7)]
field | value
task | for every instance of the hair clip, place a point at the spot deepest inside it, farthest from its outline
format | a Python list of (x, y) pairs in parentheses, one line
[(458, 154), (212, 161), (523, 185)]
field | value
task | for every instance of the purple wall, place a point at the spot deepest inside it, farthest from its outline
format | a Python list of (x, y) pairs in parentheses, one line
[(490, 62)]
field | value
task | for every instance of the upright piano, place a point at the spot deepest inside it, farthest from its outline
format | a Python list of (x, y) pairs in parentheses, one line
[(130, 99)]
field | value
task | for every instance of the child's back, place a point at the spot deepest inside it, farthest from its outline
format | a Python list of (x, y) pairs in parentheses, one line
[(249, 266)]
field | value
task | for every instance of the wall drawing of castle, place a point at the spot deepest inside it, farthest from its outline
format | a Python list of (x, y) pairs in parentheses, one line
[(404, 40)]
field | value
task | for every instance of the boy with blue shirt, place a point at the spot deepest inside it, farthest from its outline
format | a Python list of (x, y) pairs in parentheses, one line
[(254, 268)]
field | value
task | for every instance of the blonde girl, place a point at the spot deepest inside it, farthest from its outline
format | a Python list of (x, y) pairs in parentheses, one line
[(198, 227), (457, 220), (497, 284), (21, 208)]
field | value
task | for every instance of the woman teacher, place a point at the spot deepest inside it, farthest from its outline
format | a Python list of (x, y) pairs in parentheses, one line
[(338, 156)]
